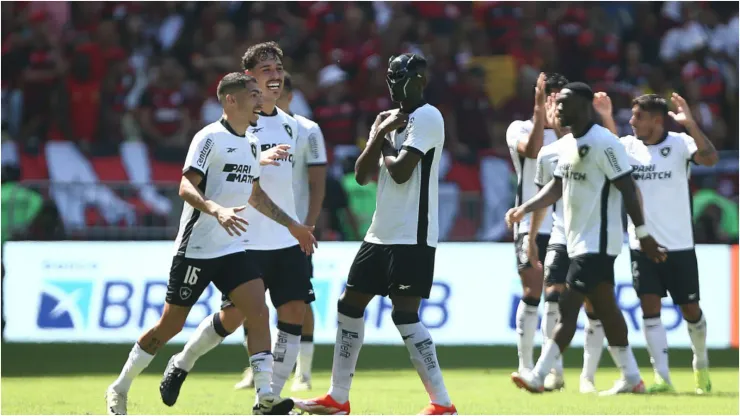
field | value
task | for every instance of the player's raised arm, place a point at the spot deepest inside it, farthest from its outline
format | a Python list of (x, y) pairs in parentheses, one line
[(603, 106), (262, 203), (704, 152)]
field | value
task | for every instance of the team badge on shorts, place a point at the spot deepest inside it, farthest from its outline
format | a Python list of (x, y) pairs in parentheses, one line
[(665, 151), (185, 293)]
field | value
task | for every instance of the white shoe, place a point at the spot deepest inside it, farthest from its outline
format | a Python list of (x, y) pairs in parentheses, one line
[(247, 381), (587, 386), (272, 404), (301, 383), (527, 380), (115, 403), (554, 382), (622, 386)]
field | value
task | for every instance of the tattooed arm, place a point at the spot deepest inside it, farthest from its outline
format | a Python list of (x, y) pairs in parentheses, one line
[(262, 203)]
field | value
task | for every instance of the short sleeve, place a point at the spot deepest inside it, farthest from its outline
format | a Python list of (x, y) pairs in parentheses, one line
[(200, 154), (316, 151), (558, 172), (689, 146), (426, 130), (516, 132), (614, 161), (543, 174)]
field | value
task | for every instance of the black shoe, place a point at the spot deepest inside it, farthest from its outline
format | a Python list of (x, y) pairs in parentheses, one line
[(169, 387), (281, 406)]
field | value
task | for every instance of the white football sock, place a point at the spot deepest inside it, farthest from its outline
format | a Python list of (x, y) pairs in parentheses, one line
[(552, 315), (625, 360), (203, 340), (261, 364), (593, 346), (424, 357), (526, 326), (137, 361), (285, 353), (657, 343), (698, 335), (305, 360), (350, 335), (550, 354)]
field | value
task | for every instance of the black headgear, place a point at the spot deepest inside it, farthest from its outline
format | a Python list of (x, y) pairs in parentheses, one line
[(405, 71), (580, 89)]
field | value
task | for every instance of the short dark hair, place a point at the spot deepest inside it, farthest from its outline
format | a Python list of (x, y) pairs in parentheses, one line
[(580, 89), (652, 103), (259, 52), (554, 82), (287, 82), (232, 83)]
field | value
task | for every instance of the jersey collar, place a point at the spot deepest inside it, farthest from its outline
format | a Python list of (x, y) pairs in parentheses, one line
[(662, 139), (227, 126), (586, 130), (273, 114)]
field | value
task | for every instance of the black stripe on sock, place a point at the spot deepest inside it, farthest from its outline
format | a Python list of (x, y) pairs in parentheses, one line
[(306, 338), (291, 329), (218, 326)]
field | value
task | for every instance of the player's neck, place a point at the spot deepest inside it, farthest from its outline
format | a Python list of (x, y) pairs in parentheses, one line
[(235, 126), (581, 128), (657, 137), (268, 108), (409, 106), (285, 107)]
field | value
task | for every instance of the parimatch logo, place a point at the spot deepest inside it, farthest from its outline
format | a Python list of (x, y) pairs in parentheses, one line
[(238, 173)]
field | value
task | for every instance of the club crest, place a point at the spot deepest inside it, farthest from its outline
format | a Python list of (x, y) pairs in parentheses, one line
[(254, 150), (583, 150), (288, 130), (665, 151), (185, 293)]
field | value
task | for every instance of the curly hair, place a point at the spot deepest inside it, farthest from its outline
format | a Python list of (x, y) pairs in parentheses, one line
[(259, 52)]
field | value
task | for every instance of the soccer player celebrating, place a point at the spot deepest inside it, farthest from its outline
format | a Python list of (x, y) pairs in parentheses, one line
[(280, 258), (221, 175), (309, 182), (397, 257), (525, 139), (592, 166), (556, 260), (660, 159)]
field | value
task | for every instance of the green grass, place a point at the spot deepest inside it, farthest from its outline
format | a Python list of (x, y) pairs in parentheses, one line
[(71, 379)]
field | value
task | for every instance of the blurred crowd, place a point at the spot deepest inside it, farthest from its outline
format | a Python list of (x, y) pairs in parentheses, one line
[(95, 92)]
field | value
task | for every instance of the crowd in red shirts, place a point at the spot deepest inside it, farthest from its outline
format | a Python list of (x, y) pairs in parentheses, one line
[(102, 74)]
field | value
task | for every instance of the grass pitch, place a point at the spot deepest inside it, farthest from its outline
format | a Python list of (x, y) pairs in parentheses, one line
[(71, 379)]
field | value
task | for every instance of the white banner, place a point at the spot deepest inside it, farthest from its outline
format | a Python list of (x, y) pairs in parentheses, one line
[(113, 291)]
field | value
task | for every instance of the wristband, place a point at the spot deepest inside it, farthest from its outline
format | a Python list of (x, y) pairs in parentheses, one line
[(641, 232)]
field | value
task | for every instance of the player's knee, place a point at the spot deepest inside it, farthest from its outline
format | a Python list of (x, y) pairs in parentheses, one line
[(404, 317), (230, 319), (650, 306), (691, 312), (347, 309), (552, 296), (292, 312)]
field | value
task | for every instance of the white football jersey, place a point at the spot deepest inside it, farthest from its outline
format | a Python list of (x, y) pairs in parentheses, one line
[(592, 206), (229, 165), (547, 160), (525, 172), (407, 213), (662, 174), (310, 151), (276, 181)]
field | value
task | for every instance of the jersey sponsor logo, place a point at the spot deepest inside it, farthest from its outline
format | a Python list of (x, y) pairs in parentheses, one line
[(288, 130), (569, 173), (257, 129), (612, 158), (64, 304), (665, 151), (649, 172), (230, 149), (290, 158), (238, 173), (204, 152), (313, 144), (583, 150)]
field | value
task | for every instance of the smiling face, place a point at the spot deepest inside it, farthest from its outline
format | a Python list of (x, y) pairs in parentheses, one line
[(270, 77)]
